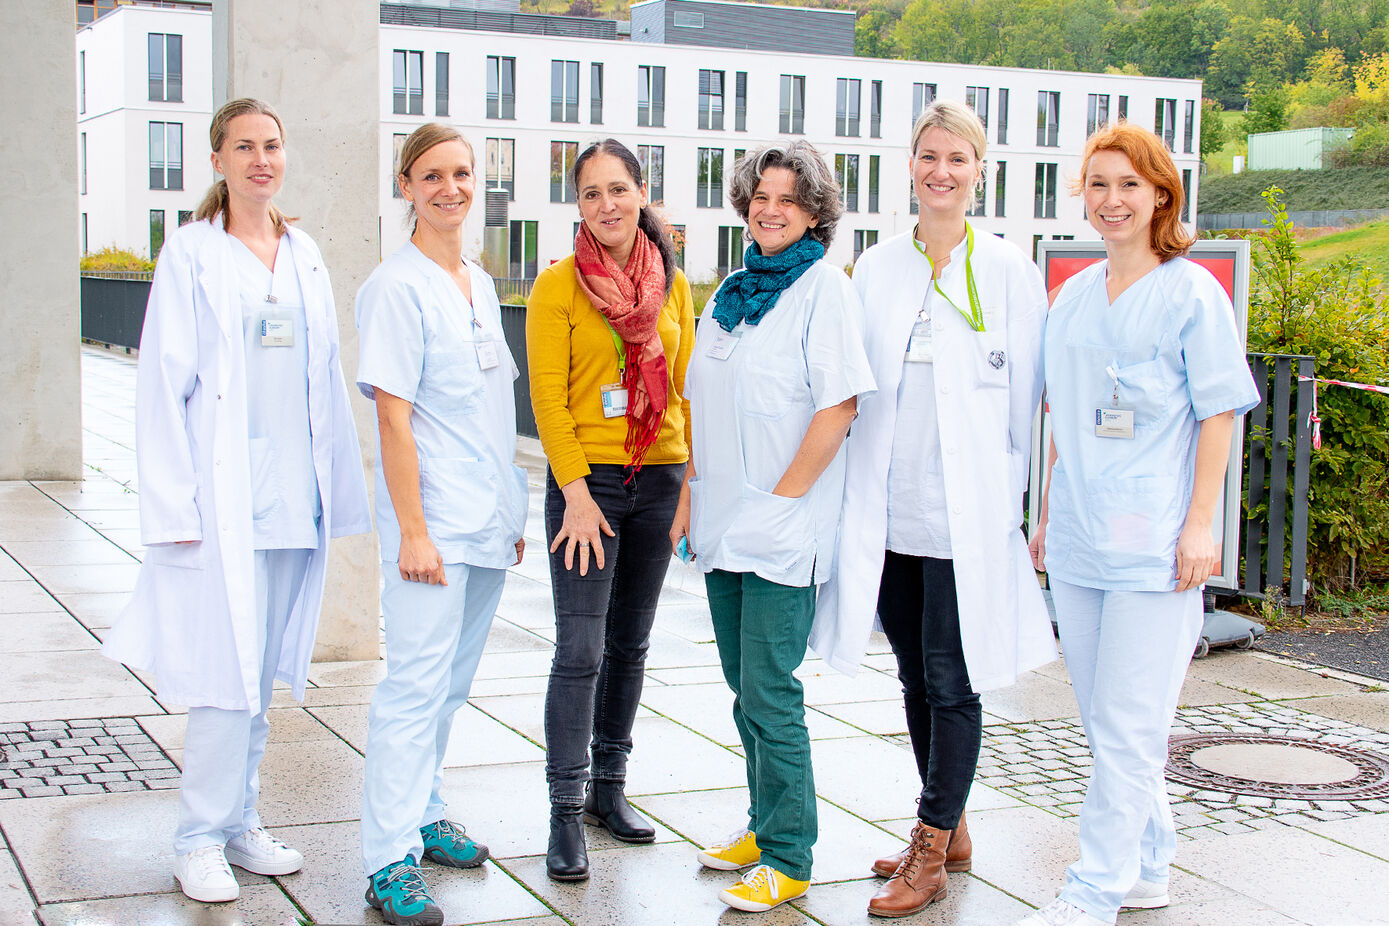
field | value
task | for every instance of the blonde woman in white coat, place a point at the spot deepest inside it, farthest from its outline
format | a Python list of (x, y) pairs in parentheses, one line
[(248, 463), (937, 465)]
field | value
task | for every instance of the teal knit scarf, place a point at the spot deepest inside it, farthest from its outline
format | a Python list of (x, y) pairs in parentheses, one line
[(750, 293)]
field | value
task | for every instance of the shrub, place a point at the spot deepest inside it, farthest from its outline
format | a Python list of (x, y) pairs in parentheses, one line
[(112, 258), (701, 292)]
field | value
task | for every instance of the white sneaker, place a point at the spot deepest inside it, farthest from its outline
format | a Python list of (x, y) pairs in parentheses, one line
[(1145, 895), (257, 851), (204, 875), (1060, 913)]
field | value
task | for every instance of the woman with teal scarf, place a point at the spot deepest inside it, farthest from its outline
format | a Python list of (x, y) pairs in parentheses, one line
[(776, 377)]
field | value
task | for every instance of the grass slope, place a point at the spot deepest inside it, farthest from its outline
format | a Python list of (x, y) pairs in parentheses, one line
[(1368, 243)]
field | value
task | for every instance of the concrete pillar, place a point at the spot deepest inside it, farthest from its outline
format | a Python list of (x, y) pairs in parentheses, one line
[(316, 62), (40, 365)]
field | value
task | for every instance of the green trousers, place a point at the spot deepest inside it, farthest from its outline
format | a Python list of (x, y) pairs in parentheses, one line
[(761, 629)]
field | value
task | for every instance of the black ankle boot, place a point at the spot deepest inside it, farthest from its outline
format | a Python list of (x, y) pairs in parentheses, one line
[(566, 859), (607, 806)]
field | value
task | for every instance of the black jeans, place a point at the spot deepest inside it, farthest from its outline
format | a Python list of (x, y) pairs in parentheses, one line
[(919, 613), (603, 625)]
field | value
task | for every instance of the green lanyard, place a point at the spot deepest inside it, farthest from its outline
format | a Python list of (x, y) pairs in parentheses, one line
[(621, 351), (975, 315)]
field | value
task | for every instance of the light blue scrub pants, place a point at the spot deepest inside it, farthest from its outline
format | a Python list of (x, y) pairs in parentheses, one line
[(434, 639), (1126, 654), (222, 749)]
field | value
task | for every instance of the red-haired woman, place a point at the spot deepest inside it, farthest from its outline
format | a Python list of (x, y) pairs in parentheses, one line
[(1145, 374)]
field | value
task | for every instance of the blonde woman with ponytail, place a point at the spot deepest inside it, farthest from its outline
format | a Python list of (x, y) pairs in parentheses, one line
[(243, 479)]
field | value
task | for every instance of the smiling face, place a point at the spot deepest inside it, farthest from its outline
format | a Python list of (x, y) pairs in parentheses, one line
[(1119, 201), (944, 171), (775, 218), (439, 184), (610, 203), (251, 158)]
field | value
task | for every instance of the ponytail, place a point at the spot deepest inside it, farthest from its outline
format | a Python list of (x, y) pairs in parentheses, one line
[(655, 229)]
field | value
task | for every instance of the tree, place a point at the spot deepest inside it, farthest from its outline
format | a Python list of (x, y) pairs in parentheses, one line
[(1213, 133), (873, 35), (1268, 112)]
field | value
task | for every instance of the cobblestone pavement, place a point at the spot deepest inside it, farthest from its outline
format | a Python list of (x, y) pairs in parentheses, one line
[(50, 757)]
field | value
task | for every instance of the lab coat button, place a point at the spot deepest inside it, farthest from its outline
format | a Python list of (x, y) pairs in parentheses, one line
[(950, 449), (957, 509), (945, 388), (940, 326)]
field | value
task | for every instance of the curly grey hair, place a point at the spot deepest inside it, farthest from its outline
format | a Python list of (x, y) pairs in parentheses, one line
[(817, 192)]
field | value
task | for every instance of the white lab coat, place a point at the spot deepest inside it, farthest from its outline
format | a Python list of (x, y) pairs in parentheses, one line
[(191, 621), (985, 412)]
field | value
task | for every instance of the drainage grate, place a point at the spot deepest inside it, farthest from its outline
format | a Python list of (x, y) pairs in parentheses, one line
[(50, 758), (1365, 775)]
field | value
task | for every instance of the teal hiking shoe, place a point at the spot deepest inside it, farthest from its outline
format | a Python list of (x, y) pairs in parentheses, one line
[(447, 843), (399, 893)]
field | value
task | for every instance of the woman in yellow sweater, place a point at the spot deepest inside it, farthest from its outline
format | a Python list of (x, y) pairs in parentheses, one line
[(609, 331)]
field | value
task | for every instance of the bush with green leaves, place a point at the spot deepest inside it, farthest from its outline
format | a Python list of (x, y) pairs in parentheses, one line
[(1336, 314), (112, 258)]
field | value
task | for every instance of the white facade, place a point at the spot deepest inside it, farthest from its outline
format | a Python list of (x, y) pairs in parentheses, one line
[(532, 133), (114, 114)]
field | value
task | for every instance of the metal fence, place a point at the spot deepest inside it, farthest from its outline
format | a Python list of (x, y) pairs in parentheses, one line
[(113, 308), (1319, 218)]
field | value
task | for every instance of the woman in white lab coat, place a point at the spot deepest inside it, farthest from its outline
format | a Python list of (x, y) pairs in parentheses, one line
[(248, 463), (450, 507), (1145, 375), (937, 466)]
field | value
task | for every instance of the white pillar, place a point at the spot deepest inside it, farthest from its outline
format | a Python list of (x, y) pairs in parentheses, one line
[(40, 364), (316, 62)]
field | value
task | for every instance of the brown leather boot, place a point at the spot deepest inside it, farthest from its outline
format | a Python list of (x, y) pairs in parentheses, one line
[(919, 880), (957, 854)]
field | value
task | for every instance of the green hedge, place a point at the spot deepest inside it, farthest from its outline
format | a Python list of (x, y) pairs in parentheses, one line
[(1349, 188)]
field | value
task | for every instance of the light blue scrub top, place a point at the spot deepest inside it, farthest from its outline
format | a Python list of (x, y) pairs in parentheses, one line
[(419, 342), (1117, 505), (285, 503)]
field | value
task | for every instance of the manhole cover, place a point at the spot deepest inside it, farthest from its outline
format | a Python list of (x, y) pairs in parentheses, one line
[(1278, 767)]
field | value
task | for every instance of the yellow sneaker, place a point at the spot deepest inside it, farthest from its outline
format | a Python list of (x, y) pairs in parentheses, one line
[(735, 852), (763, 888)]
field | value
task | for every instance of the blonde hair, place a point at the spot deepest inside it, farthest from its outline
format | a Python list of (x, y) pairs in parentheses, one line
[(955, 118), (420, 141), (216, 202)]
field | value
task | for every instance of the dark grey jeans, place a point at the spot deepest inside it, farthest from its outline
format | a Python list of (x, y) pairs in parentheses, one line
[(603, 626)]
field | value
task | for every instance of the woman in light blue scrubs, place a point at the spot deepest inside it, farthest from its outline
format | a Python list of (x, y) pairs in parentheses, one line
[(450, 508), (1145, 373)]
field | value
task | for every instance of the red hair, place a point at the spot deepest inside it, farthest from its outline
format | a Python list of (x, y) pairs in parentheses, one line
[(1150, 158)]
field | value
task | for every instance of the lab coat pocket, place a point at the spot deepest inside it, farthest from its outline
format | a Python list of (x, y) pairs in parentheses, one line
[(1142, 387), (771, 533), (991, 357), (182, 555), (768, 392), (459, 495), (1128, 513), (514, 521), (452, 378), (696, 513), (265, 478)]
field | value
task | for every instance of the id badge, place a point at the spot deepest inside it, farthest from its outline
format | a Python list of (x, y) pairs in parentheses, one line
[(276, 329), (614, 400), (724, 342), (486, 353), (1114, 422), (919, 348)]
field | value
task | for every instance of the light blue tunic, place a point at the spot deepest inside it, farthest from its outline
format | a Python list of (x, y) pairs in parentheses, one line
[(421, 341), (1117, 505), (284, 489)]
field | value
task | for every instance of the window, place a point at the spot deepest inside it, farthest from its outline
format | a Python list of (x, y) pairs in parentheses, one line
[(1044, 203), (709, 183), (875, 109), (397, 143), (563, 154), (710, 99), (1165, 122), (595, 93), (156, 232), (864, 239), (564, 91), (1096, 113), (688, 20), (407, 82), (500, 157), (1048, 117), (651, 96), (441, 83), (846, 172), (738, 154), (977, 99), (914, 205), (1002, 115), (1036, 251), (166, 155), (730, 249), (522, 262), (1186, 195), (166, 68), (81, 81), (1000, 183), (978, 205), (184, 217), (84, 233), (792, 105), (740, 101), (653, 170), (82, 163), (873, 183), (501, 87), (1123, 108), (1189, 127), (846, 107), (923, 95)]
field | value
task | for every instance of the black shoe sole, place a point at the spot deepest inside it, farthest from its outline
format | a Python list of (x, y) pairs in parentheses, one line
[(559, 877), (594, 820)]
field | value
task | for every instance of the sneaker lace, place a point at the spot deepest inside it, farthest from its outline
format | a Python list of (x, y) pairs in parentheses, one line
[(732, 839), (760, 877), (447, 829), (260, 839), (406, 879), (1058, 912), (207, 861)]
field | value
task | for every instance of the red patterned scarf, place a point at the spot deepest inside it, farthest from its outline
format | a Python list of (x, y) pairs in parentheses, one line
[(630, 298)]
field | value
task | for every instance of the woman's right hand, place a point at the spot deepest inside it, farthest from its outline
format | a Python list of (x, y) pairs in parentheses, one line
[(1037, 546), (583, 527), (680, 527), (419, 561)]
